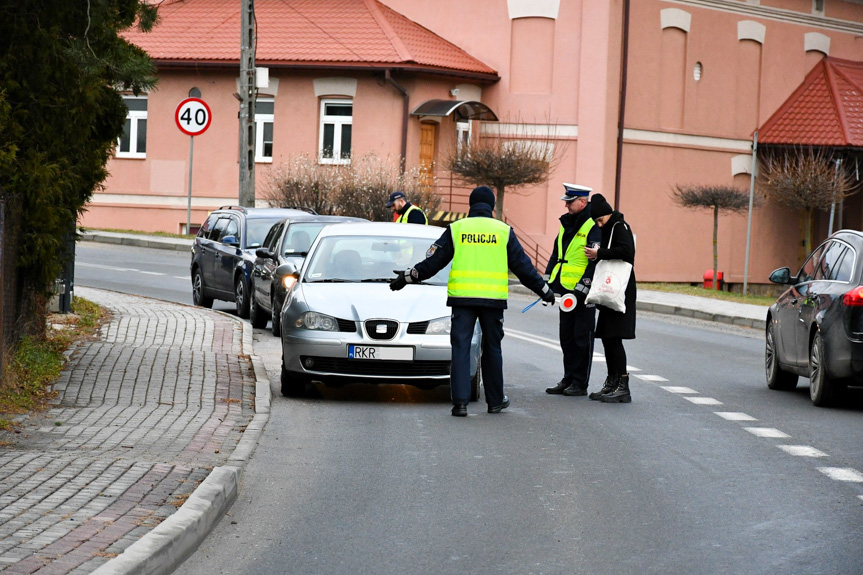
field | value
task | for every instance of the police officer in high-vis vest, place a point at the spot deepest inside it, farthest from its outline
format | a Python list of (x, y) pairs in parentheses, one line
[(570, 271), (405, 212), (482, 250)]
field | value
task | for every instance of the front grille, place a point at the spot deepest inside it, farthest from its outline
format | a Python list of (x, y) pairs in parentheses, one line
[(347, 325), (345, 366), (390, 328), (418, 327)]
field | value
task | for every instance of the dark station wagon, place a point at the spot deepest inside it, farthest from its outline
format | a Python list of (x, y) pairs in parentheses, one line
[(815, 328), (223, 253)]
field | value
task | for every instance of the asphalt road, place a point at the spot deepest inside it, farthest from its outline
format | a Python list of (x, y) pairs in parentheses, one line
[(707, 471)]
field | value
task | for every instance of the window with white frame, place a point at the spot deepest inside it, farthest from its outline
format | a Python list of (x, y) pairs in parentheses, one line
[(336, 123), (133, 141), (264, 129), (462, 130)]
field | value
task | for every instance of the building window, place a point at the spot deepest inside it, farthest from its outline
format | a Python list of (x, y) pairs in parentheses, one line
[(133, 140), (462, 130), (336, 123), (264, 130)]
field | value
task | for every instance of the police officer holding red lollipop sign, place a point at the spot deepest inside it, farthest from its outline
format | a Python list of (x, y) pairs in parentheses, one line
[(570, 272), (482, 250)]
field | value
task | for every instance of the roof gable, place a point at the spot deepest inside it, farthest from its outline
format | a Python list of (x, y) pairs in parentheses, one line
[(302, 33), (825, 110)]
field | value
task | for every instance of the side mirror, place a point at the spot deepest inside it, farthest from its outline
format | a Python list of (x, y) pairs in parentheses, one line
[(288, 269), (781, 276), (230, 241), (264, 253)]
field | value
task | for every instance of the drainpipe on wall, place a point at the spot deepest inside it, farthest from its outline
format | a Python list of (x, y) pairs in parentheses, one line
[(624, 59), (405, 116)]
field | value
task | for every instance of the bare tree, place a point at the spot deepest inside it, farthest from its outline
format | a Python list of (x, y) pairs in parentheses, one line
[(715, 198), (805, 179), (507, 163), (359, 189)]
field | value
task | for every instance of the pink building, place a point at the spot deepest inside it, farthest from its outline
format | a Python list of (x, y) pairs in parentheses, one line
[(348, 77)]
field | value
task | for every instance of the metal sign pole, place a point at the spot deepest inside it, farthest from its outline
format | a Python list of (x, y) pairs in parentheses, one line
[(189, 205), (749, 221)]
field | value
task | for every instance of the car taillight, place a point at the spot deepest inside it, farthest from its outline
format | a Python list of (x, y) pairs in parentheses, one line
[(854, 298)]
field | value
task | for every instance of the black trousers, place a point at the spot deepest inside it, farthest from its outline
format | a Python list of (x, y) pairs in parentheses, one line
[(576, 341), (491, 322), (615, 355)]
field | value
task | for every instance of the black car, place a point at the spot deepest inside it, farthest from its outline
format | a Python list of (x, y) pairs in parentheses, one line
[(223, 253), (815, 328), (288, 240)]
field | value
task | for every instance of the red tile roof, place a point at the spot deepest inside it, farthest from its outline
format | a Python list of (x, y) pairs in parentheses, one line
[(825, 110), (303, 33)]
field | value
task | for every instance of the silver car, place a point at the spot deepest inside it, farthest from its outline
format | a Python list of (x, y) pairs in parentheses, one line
[(341, 323)]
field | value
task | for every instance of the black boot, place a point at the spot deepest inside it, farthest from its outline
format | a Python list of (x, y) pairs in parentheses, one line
[(558, 388), (620, 393), (607, 387)]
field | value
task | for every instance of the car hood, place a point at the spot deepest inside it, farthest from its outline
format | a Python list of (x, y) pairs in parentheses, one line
[(361, 301)]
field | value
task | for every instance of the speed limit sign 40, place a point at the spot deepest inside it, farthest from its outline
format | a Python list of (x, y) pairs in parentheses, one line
[(193, 116)]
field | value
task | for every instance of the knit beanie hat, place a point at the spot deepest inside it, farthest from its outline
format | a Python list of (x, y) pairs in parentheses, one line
[(599, 207), (482, 195)]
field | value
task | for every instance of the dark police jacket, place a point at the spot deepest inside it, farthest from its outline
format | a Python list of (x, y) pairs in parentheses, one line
[(415, 217), (571, 224), (442, 251)]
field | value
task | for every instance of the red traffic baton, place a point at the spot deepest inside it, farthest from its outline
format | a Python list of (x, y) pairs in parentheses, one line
[(568, 302)]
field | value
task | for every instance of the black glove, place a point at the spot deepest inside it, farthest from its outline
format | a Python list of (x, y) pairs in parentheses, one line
[(399, 282), (548, 295)]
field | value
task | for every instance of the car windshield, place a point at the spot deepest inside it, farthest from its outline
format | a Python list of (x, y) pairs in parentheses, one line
[(256, 231), (300, 236), (367, 259)]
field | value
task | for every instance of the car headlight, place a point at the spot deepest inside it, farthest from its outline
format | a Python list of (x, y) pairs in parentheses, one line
[(317, 321), (439, 326)]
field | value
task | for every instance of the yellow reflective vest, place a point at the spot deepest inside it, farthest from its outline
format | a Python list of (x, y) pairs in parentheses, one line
[(572, 264), (403, 219), (480, 267)]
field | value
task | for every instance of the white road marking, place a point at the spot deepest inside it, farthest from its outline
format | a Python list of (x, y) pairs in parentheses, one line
[(149, 273), (836, 473), (734, 416), (101, 267), (703, 400), (533, 339), (767, 432), (842, 474), (802, 450), (651, 377), (674, 389)]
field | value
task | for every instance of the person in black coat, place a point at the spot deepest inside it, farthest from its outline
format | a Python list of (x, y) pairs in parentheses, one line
[(613, 327)]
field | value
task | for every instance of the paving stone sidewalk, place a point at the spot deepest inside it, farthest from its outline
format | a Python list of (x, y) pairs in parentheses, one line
[(142, 416)]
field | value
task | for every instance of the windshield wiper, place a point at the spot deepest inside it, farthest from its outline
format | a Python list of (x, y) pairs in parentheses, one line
[(377, 280), (331, 281)]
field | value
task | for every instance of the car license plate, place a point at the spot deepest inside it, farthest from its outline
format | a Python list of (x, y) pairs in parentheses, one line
[(380, 352)]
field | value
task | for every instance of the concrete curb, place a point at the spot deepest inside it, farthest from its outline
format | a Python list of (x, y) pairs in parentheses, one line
[(154, 242), (163, 549), (695, 314)]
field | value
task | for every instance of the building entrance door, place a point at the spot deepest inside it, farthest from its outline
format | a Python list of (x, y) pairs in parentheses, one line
[(427, 137)]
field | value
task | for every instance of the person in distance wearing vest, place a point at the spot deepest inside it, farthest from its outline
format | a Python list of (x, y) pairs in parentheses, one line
[(482, 250), (404, 212), (570, 271)]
